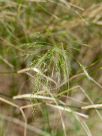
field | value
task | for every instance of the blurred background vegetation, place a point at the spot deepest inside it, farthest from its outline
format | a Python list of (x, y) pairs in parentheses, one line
[(51, 49)]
